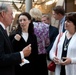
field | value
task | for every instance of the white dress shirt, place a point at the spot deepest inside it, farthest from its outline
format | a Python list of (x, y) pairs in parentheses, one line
[(25, 36)]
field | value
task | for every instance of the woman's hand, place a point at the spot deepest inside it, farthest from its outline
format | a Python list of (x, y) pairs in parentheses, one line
[(65, 61), (56, 60), (17, 37)]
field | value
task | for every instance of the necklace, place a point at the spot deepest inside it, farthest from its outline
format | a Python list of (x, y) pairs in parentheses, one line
[(66, 47), (66, 43)]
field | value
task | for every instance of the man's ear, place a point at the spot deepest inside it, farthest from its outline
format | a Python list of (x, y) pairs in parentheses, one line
[(2, 14)]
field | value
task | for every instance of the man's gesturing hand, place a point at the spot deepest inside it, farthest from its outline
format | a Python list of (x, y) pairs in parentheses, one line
[(27, 50)]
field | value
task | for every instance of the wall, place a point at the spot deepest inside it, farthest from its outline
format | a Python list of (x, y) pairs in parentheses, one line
[(70, 6)]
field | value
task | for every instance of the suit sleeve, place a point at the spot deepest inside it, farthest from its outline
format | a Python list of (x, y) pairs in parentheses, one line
[(52, 38), (7, 58)]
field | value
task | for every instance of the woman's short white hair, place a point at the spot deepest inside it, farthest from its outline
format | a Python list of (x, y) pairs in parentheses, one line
[(36, 14)]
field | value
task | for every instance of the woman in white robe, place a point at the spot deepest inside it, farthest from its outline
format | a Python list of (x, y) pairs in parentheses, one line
[(66, 51)]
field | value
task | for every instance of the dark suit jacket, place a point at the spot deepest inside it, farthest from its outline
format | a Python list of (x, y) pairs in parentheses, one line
[(7, 58), (53, 32)]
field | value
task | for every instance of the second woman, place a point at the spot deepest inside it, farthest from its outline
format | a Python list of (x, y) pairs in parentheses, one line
[(23, 36)]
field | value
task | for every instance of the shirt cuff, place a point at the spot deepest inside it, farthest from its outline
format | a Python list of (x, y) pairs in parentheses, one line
[(22, 55), (73, 60), (25, 61)]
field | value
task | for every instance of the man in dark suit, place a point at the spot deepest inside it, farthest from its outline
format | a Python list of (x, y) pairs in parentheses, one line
[(7, 58), (53, 32)]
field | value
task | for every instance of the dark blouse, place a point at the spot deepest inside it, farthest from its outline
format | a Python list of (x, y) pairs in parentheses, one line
[(31, 68), (64, 54)]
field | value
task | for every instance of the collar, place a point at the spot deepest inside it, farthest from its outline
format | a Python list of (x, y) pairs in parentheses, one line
[(62, 20), (2, 25)]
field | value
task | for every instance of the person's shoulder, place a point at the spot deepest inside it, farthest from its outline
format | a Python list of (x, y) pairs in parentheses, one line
[(54, 27), (47, 25), (41, 24), (33, 36)]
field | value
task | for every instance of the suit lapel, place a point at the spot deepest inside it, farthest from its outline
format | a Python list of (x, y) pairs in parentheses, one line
[(6, 37)]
